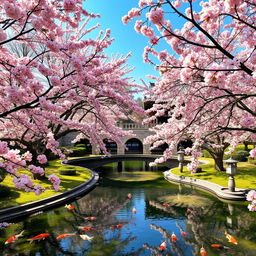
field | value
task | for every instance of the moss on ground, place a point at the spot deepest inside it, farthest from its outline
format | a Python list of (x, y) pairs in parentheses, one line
[(245, 177), (18, 197)]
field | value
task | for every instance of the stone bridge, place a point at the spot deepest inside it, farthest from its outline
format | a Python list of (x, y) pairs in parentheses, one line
[(134, 143)]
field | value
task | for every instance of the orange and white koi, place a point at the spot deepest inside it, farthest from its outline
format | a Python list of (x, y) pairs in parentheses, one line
[(203, 251), (166, 204), (86, 237), (162, 246), (87, 228), (118, 226), (91, 218), (134, 210), (219, 246), (183, 233), (174, 237), (69, 207), (62, 236), (13, 238), (39, 237), (230, 238), (129, 195)]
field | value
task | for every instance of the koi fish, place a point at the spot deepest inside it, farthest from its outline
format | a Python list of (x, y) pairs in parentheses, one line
[(134, 210), (174, 237), (118, 226), (91, 218), (129, 195), (188, 211), (230, 238), (39, 237), (13, 238), (166, 204), (69, 207), (219, 246), (62, 236), (86, 237), (183, 233), (87, 228), (203, 251), (162, 246)]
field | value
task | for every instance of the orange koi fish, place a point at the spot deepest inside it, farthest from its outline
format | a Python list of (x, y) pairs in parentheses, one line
[(162, 246), (129, 195), (62, 236), (88, 228), (39, 237), (230, 238), (91, 218), (13, 238), (174, 237), (69, 207), (183, 233), (118, 226), (166, 204), (203, 251), (134, 210)]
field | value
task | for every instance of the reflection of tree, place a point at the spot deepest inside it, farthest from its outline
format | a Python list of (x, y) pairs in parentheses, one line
[(175, 247)]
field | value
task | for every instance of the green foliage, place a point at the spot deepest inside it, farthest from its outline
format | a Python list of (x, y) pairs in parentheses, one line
[(77, 151), (2, 174), (240, 155), (206, 154), (4, 191)]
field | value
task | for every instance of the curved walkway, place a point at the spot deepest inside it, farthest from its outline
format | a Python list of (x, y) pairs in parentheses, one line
[(222, 192)]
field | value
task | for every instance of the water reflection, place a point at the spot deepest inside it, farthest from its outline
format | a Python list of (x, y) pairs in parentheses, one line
[(162, 209)]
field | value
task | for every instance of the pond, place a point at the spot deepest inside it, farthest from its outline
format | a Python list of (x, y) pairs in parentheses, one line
[(138, 225)]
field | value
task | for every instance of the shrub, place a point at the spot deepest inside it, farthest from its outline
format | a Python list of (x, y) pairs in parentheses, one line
[(67, 170), (240, 155), (77, 151), (4, 191)]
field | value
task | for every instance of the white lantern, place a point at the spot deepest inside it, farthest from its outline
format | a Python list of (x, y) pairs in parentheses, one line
[(231, 166), (181, 155)]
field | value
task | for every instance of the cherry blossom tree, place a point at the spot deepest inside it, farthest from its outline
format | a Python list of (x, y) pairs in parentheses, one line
[(61, 81), (207, 84)]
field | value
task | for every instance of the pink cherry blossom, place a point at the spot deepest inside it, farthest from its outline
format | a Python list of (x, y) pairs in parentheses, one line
[(251, 195), (42, 159)]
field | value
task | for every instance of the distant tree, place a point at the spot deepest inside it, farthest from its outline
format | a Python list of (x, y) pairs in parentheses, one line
[(208, 76)]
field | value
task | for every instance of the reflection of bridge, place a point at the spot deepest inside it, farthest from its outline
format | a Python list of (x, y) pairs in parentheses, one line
[(134, 144)]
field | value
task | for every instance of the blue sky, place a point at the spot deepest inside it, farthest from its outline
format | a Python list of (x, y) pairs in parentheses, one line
[(126, 39)]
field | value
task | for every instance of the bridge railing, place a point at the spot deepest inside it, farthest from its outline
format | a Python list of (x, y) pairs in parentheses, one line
[(135, 126)]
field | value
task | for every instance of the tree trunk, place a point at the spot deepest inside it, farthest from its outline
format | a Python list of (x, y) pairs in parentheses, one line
[(218, 163)]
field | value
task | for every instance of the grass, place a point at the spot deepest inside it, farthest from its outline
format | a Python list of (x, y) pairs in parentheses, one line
[(245, 177), (18, 197)]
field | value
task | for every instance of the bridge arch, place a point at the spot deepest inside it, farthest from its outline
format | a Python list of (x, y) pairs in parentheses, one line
[(85, 143), (134, 146), (111, 146)]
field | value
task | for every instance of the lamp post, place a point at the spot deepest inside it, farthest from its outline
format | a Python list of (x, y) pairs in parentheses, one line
[(231, 170), (181, 159)]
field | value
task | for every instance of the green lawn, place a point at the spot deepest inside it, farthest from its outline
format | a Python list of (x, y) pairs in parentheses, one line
[(245, 177), (17, 196)]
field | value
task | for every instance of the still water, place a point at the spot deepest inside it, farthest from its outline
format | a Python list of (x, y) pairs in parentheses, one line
[(119, 230)]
